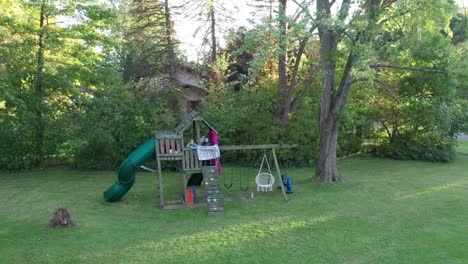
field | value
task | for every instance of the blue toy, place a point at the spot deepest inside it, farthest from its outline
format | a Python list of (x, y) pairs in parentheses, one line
[(194, 190), (287, 182)]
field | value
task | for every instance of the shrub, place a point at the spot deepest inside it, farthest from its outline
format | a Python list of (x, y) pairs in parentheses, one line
[(413, 146), (114, 123)]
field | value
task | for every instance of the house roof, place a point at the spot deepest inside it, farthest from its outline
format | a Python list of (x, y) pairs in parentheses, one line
[(188, 119), (187, 77)]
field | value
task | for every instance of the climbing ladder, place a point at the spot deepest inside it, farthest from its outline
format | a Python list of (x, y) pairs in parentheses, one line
[(214, 199)]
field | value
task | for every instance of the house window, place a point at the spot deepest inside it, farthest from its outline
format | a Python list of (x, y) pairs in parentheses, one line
[(193, 105)]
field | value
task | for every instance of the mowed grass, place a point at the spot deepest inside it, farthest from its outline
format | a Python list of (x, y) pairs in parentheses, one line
[(385, 211), (462, 146)]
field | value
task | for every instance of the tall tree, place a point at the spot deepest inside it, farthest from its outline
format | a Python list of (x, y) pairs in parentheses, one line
[(264, 9), (286, 38), (423, 114), (169, 40), (145, 33), (150, 45), (38, 85), (211, 17), (282, 76), (288, 68), (333, 97), (51, 57)]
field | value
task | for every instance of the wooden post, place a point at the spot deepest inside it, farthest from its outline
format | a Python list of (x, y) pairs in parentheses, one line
[(182, 184), (184, 181), (161, 191), (194, 133), (197, 129), (156, 145), (279, 174)]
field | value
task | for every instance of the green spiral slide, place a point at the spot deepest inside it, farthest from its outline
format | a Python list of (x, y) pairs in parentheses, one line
[(126, 176)]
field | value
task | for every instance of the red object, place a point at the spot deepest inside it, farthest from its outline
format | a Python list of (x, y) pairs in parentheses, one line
[(214, 141), (189, 197)]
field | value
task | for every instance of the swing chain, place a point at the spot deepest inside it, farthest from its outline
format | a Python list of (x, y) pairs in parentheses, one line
[(240, 184)]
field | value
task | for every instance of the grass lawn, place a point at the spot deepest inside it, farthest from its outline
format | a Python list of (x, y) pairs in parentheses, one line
[(462, 146), (385, 212)]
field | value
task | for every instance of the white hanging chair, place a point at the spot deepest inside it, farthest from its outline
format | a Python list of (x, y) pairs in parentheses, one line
[(264, 180)]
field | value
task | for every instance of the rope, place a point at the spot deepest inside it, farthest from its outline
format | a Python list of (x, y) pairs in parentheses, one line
[(264, 180), (261, 165)]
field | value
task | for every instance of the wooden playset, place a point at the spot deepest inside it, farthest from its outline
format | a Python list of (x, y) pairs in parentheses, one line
[(204, 160)]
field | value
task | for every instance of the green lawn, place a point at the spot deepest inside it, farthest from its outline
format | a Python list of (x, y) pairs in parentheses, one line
[(385, 212), (462, 146)]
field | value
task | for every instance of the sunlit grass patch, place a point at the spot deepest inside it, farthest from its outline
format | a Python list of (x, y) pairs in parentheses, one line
[(434, 189), (212, 240)]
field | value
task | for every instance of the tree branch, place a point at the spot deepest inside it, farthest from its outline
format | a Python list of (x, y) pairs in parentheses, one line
[(304, 9), (382, 84), (416, 69), (295, 102), (344, 9), (386, 127)]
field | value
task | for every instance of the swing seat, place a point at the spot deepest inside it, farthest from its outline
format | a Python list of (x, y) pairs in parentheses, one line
[(264, 182)]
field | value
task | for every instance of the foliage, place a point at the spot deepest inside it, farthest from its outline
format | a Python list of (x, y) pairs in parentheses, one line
[(459, 28), (71, 66), (92, 118), (246, 117), (249, 117), (111, 126), (211, 19), (418, 146), (144, 47), (239, 59), (427, 116)]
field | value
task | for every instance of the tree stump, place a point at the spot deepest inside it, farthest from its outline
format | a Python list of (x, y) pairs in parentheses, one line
[(61, 219)]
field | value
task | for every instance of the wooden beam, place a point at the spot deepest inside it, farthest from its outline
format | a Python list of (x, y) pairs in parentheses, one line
[(271, 146), (164, 136), (279, 174), (197, 131), (183, 186), (194, 133), (160, 183), (182, 183)]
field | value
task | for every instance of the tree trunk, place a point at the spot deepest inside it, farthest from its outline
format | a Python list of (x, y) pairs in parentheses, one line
[(333, 100), (213, 58), (38, 86), (282, 75), (326, 170), (170, 45), (287, 81), (270, 18), (329, 120)]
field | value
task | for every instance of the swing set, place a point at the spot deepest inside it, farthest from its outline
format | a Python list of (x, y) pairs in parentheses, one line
[(195, 165), (264, 178)]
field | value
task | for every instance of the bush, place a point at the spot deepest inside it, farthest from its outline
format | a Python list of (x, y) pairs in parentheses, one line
[(114, 123), (412, 146)]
